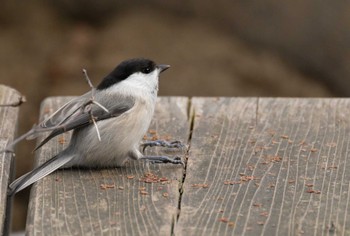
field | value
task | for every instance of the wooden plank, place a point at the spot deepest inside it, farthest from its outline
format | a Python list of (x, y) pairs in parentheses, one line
[(221, 126), (10, 100), (268, 166), (113, 201)]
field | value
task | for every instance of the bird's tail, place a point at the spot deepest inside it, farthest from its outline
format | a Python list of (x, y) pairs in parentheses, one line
[(40, 172)]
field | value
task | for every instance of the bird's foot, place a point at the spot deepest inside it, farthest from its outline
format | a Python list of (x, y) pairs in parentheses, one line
[(162, 143), (163, 159)]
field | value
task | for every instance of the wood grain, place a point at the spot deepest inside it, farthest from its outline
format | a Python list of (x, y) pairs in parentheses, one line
[(115, 201), (268, 166), (256, 166), (9, 101)]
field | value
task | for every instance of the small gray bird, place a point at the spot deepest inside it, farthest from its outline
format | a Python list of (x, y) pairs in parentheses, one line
[(119, 111)]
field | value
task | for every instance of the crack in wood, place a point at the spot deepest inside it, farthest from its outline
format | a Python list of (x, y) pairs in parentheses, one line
[(191, 118)]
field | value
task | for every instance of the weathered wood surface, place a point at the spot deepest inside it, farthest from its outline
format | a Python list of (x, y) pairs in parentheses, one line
[(116, 201), (10, 99), (268, 166), (279, 168)]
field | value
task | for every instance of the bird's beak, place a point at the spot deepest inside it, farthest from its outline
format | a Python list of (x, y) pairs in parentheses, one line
[(162, 68)]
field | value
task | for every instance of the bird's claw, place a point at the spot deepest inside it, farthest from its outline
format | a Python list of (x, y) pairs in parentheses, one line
[(162, 143), (164, 159)]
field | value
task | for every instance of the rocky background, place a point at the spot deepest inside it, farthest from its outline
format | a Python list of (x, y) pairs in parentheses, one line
[(226, 48)]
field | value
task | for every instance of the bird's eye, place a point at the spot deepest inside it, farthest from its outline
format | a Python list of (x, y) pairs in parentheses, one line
[(146, 70)]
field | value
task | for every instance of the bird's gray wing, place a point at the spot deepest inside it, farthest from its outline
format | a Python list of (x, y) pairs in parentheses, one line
[(64, 113), (38, 173), (83, 118), (75, 114)]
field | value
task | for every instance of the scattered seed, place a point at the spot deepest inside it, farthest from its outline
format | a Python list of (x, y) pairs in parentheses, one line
[(332, 167), (231, 182), (250, 167), (143, 192), (272, 186), (310, 190), (107, 186), (224, 220), (270, 158), (152, 131), (331, 144), (302, 143), (163, 179), (61, 140), (200, 185), (248, 178), (153, 178), (264, 213)]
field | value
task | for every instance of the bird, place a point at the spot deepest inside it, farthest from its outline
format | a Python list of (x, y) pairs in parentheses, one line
[(108, 123)]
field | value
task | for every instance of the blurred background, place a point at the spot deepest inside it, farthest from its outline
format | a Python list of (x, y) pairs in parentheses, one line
[(226, 48)]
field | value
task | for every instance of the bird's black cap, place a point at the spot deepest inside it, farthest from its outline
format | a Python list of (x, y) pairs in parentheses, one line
[(125, 69)]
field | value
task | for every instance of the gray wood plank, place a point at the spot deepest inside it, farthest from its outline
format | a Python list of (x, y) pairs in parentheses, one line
[(273, 166), (10, 100), (117, 201)]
